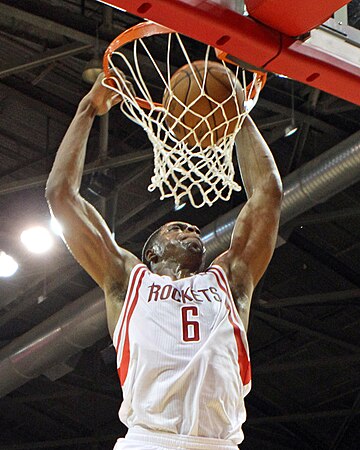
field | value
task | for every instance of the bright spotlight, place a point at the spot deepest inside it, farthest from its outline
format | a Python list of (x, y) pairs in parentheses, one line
[(37, 239), (8, 265)]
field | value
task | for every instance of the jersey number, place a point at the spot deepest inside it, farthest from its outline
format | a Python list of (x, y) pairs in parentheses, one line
[(190, 328)]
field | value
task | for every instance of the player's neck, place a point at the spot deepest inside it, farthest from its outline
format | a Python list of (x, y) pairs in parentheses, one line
[(174, 270)]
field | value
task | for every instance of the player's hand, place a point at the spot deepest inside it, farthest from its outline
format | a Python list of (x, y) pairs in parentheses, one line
[(119, 81), (103, 98)]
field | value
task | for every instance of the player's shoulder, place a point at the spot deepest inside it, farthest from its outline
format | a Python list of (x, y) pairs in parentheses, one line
[(236, 272), (222, 262), (117, 280)]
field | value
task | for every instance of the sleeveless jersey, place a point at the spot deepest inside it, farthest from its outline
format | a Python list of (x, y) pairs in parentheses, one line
[(182, 355)]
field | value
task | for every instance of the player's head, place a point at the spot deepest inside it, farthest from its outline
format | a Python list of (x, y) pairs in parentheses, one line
[(177, 241)]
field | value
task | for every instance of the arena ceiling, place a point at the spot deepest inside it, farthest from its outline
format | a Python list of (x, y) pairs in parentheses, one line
[(304, 327)]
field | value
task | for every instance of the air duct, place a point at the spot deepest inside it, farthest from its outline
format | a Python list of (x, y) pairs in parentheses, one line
[(311, 184), (82, 323), (73, 328)]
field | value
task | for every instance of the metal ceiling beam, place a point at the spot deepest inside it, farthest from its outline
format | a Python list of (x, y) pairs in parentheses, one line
[(59, 94), (303, 416), (342, 361), (136, 210), (23, 142), (328, 297), (306, 328), (258, 437), (48, 25), (268, 408), (337, 106), (301, 138), (345, 425), (273, 121), (118, 161), (301, 117), (343, 393), (6, 91), (25, 298), (253, 440), (329, 260), (43, 420), (275, 134), (157, 214), (322, 217), (106, 393), (49, 56), (33, 398)]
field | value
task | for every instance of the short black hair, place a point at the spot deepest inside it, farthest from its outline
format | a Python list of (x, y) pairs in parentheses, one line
[(149, 244)]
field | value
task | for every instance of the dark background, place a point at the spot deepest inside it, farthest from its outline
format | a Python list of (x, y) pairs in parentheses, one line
[(304, 328)]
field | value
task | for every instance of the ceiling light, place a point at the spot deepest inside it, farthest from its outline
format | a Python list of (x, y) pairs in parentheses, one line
[(290, 130), (37, 239), (179, 207), (8, 265)]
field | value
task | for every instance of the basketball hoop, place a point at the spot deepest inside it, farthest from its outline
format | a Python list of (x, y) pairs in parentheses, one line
[(181, 169)]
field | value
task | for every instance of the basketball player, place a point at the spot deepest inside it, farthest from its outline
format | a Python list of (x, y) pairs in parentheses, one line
[(179, 331)]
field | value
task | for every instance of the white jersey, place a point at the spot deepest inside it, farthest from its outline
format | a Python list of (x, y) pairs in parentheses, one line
[(182, 355)]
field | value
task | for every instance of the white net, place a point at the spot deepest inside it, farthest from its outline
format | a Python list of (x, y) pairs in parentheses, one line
[(193, 141)]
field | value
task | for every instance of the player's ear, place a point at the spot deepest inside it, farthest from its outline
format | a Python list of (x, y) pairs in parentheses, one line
[(151, 256)]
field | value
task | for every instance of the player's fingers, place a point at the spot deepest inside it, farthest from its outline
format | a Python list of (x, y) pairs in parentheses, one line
[(100, 77), (115, 99)]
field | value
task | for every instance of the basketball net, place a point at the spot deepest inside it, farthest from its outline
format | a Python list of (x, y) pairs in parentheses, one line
[(203, 174)]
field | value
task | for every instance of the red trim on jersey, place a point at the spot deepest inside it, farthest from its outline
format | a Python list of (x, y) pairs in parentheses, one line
[(125, 357), (243, 360), (221, 282), (128, 302)]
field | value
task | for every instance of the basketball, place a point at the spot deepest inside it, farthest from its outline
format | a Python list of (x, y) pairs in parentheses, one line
[(202, 111)]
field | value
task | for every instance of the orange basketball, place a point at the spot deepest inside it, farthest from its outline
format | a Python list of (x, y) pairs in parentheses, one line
[(204, 118)]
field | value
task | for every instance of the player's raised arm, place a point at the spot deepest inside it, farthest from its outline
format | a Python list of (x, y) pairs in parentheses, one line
[(255, 231), (85, 232)]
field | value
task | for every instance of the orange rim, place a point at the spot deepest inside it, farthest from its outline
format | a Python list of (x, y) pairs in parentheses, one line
[(261, 76), (141, 30), (147, 29)]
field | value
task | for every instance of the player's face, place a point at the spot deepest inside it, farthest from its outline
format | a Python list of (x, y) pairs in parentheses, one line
[(182, 236)]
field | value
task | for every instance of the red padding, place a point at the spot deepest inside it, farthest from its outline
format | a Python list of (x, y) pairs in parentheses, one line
[(320, 70), (211, 23), (249, 41), (290, 18)]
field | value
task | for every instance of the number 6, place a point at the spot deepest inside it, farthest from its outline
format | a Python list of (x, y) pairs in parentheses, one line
[(190, 328)]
